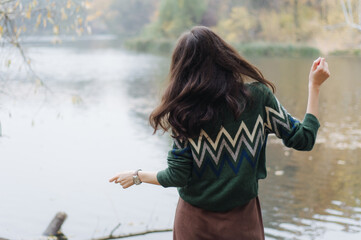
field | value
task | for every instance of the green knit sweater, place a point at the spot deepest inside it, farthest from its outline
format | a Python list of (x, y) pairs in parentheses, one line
[(220, 169)]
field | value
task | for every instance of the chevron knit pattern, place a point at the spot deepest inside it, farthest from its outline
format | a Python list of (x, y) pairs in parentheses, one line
[(246, 143)]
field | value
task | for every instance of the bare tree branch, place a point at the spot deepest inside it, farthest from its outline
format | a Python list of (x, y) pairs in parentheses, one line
[(359, 11), (349, 6), (116, 227), (335, 26), (347, 12), (14, 41), (133, 234)]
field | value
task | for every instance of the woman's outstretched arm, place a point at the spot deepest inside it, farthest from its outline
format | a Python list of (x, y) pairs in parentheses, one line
[(318, 74), (126, 178), (179, 169), (296, 134)]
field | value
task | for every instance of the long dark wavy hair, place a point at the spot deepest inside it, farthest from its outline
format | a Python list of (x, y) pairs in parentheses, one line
[(206, 74)]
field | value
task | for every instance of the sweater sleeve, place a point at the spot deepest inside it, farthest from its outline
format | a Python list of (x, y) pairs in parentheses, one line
[(295, 134), (180, 162)]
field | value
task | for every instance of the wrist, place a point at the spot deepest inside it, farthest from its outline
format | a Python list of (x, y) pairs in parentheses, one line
[(313, 88), (136, 178)]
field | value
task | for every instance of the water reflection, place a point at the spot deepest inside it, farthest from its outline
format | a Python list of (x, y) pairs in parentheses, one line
[(307, 195)]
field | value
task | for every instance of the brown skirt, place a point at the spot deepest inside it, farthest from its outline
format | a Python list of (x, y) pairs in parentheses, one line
[(240, 223)]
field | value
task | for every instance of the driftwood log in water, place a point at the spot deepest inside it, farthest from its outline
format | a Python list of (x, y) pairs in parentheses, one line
[(55, 224)]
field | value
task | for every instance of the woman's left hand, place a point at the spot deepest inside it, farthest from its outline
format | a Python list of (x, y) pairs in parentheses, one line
[(124, 178)]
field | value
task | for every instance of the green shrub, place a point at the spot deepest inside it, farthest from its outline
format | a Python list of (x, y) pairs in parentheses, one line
[(346, 52), (162, 46), (276, 50)]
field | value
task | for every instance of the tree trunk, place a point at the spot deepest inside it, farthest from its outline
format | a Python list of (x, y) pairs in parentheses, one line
[(295, 14)]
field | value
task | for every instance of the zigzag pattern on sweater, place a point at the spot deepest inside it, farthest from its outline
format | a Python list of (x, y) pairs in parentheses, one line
[(252, 140), (272, 121), (235, 166), (259, 139)]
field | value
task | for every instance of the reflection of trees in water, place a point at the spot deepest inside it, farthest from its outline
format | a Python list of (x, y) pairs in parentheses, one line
[(340, 102), (144, 87), (318, 189)]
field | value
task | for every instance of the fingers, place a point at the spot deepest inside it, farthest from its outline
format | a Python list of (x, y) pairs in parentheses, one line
[(326, 68), (125, 179), (316, 63), (126, 185), (121, 181), (322, 63), (323, 67), (114, 178)]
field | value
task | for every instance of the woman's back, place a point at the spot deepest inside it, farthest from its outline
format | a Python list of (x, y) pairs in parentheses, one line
[(225, 162)]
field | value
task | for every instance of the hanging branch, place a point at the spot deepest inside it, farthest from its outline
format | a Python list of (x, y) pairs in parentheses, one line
[(16, 16), (12, 38)]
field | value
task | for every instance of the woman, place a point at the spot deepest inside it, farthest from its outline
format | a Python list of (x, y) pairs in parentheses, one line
[(220, 125)]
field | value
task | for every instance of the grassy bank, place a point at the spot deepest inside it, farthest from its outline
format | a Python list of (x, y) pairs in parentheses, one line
[(346, 52), (165, 46), (161, 45), (276, 50)]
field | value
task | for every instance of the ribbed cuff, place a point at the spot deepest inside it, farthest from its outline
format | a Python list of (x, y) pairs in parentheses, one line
[(162, 178), (311, 121)]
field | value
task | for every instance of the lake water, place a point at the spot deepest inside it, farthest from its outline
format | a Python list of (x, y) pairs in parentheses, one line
[(60, 146)]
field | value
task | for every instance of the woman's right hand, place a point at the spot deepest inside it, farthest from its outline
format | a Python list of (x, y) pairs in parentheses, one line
[(319, 73), (124, 178)]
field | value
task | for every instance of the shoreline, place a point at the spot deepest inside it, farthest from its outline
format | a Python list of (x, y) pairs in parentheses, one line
[(165, 46)]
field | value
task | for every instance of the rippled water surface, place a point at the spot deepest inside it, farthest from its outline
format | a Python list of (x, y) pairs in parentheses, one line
[(59, 147)]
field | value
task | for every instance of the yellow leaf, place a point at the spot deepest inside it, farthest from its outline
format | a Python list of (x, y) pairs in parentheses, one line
[(38, 20), (38, 82), (28, 13), (80, 21), (49, 14), (44, 22), (18, 32), (68, 4), (16, 4), (76, 99), (8, 63), (51, 20), (87, 4), (56, 29), (35, 3), (1, 30), (63, 14)]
